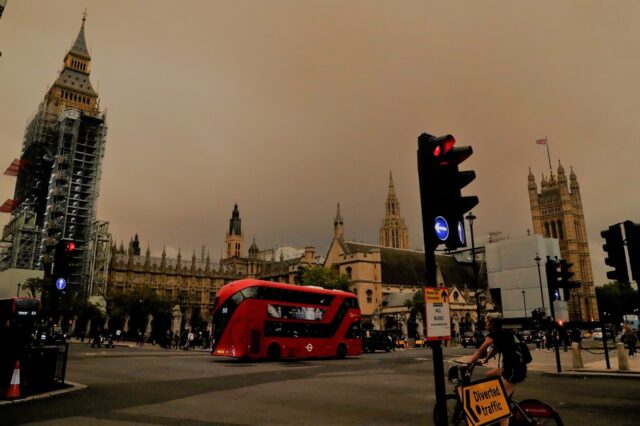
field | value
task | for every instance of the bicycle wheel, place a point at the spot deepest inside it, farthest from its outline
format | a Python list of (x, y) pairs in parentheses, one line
[(538, 411), (455, 413)]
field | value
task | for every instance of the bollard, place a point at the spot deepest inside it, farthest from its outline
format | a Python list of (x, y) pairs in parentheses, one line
[(577, 356), (623, 358)]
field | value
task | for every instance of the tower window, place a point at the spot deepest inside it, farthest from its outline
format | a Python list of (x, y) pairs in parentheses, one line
[(560, 230), (369, 296), (348, 271)]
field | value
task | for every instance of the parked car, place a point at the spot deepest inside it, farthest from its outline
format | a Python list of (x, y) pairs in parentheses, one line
[(528, 336), (586, 334), (597, 334), (468, 338), (373, 340)]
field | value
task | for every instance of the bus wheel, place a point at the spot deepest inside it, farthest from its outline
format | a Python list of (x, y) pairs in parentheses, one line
[(342, 350), (273, 353)]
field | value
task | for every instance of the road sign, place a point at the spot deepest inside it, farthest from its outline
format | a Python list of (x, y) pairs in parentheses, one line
[(484, 401), (442, 228), (61, 283), (437, 313), (461, 237)]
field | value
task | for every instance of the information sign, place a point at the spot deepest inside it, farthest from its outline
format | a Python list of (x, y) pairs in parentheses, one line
[(484, 401), (436, 301)]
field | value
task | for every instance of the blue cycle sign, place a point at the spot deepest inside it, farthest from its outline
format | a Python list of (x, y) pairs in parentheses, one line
[(61, 283), (461, 236), (442, 228)]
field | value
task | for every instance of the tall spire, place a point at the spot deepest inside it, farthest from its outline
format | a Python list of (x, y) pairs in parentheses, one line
[(80, 45), (338, 224), (393, 232)]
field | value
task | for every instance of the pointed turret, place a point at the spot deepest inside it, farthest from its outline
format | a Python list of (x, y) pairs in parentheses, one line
[(338, 224), (562, 178), (163, 261), (575, 188), (147, 258), (193, 261), (253, 250), (178, 260), (207, 265)]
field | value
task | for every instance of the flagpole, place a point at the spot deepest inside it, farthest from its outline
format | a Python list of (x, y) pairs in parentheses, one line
[(548, 155)]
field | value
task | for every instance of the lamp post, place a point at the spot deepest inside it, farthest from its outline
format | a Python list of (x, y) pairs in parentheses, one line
[(524, 302), (471, 217), (18, 294), (537, 259)]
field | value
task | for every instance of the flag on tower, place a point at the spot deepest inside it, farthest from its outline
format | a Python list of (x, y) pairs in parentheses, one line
[(542, 141)]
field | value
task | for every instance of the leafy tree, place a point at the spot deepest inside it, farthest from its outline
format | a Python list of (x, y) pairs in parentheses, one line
[(33, 286), (416, 310), (324, 277), (616, 299)]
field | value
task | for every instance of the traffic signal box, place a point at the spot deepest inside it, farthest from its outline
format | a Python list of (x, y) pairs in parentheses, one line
[(443, 205), (552, 268), (62, 259), (632, 235), (614, 247)]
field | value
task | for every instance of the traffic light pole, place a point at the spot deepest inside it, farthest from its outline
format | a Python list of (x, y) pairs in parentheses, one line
[(553, 318), (436, 345)]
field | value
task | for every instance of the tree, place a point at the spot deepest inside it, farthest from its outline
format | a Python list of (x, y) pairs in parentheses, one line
[(34, 286), (324, 277), (416, 309), (615, 300)]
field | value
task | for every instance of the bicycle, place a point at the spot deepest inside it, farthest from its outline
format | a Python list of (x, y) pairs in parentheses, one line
[(523, 413)]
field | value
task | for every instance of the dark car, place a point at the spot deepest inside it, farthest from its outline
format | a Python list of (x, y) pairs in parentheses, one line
[(468, 338), (376, 340), (528, 336)]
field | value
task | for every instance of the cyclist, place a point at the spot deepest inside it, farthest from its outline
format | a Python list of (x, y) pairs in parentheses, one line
[(514, 369)]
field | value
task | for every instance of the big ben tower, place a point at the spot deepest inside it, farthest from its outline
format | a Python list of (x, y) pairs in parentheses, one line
[(58, 173), (557, 212)]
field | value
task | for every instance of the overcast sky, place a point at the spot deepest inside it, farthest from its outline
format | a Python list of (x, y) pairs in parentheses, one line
[(289, 107)]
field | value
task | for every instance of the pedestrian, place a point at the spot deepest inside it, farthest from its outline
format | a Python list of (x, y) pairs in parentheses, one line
[(140, 341), (576, 336), (514, 367), (630, 339), (190, 337)]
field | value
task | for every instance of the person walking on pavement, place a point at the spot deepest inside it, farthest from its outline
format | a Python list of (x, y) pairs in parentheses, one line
[(629, 338)]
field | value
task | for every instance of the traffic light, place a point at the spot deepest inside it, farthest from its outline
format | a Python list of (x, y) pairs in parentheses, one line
[(62, 259), (443, 205), (632, 235), (554, 277), (615, 254)]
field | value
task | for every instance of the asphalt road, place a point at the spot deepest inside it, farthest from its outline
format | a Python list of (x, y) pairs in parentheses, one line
[(146, 386)]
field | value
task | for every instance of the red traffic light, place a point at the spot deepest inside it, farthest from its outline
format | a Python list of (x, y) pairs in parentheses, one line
[(71, 246)]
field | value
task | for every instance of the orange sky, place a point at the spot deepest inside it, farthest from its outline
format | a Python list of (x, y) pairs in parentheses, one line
[(288, 107)]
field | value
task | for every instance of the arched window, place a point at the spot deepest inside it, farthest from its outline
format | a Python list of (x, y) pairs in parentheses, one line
[(554, 232), (560, 230), (546, 229), (369, 296), (456, 295), (348, 271)]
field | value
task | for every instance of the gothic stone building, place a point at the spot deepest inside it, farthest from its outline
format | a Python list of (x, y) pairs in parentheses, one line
[(557, 212)]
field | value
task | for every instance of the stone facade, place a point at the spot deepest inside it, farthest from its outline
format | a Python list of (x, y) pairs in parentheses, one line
[(556, 212)]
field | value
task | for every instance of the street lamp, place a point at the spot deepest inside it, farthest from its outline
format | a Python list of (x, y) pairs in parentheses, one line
[(524, 302), (471, 217), (537, 259)]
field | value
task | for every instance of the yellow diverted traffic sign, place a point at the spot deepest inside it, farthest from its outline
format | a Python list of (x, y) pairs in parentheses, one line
[(484, 401)]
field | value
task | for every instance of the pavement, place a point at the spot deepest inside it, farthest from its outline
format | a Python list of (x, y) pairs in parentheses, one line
[(543, 361), (593, 359)]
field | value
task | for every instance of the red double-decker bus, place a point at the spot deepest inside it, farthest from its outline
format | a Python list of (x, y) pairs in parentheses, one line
[(255, 319)]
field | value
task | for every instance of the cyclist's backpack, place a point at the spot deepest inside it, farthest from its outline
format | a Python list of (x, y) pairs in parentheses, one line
[(523, 350)]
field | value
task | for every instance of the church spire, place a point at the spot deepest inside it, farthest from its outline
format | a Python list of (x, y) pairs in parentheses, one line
[(80, 45), (393, 232)]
